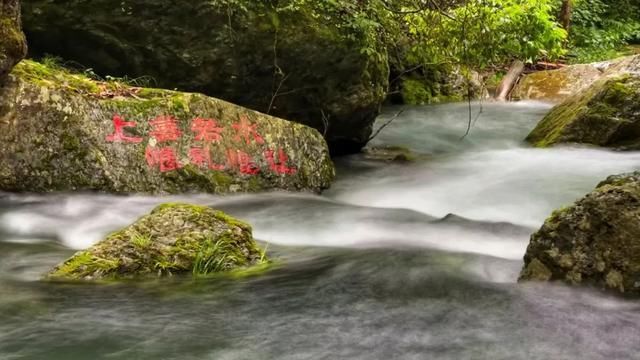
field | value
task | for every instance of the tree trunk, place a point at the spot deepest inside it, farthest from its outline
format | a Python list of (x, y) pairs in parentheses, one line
[(13, 45), (565, 14), (509, 81)]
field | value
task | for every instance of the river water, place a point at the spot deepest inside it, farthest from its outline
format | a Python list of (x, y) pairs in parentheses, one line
[(396, 261)]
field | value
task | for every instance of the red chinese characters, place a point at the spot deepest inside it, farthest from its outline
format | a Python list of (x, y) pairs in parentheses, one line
[(209, 135), (247, 131), (279, 165), (206, 130), (201, 157), (165, 128), (242, 161), (118, 135), (165, 158)]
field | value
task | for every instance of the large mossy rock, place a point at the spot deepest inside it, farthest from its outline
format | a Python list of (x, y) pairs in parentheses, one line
[(64, 132), (594, 242), (606, 114), (298, 62), (558, 85), (13, 45), (173, 239)]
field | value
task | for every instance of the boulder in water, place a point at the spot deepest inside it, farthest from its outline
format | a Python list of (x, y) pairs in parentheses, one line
[(172, 239), (606, 114), (594, 242), (61, 131)]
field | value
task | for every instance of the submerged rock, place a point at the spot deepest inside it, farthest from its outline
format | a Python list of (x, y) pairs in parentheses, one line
[(560, 84), (61, 132), (606, 114), (13, 45), (302, 61), (172, 239), (594, 242), (389, 154)]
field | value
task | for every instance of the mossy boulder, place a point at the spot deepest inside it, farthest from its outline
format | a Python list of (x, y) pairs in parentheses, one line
[(302, 61), (606, 114), (173, 239), (13, 45), (558, 85), (594, 242), (61, 131)]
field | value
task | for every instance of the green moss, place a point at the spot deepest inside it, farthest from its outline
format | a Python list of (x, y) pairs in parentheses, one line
[(591, 117), (52, 76), (415, 92), (174, 238)]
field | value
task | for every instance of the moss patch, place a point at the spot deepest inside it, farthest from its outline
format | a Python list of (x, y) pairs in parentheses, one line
[(606, 114), (173, 239)]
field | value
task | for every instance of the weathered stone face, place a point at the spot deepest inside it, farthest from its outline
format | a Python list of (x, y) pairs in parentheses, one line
[(13, 46), (606, 114), (64, 132), (172, 239), (594, 242), (292, 64)]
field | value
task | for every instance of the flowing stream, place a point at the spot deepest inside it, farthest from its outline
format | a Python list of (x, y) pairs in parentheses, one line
[(397, 261)]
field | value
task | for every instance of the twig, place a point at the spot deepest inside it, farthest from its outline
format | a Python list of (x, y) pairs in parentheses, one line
[(385, 125)]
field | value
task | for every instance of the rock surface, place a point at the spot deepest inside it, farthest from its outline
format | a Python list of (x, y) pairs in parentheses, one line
[(594, 242), (63, 132), (558, 85), (172, 239), (296, 61), (13, 45), (606, 114)]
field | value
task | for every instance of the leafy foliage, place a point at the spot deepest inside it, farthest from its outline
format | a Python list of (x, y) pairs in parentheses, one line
[(601, 28)]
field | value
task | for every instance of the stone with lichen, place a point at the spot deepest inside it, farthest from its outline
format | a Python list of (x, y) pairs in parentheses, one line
[(173, 239), (606, 114), (594, 242), (55, 129)]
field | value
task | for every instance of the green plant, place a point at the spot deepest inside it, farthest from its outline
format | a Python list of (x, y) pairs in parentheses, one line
[(602, 28), (141, 241), (217, 256)]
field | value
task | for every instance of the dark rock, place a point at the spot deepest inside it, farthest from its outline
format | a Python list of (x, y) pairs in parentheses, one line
[(594, 242)]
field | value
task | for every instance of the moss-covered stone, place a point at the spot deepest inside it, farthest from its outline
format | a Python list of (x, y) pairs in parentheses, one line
[(606, 114), (558, 85), (291, 59), (172, 239), (13, 46), (595, 242), (55, 129), (440, 85)]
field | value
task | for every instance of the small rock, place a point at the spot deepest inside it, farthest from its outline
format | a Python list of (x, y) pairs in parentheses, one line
[(206, 241)]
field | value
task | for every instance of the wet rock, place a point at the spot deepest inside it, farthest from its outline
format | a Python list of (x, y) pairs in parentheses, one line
[(594, 242), (61, 131), (558, 85), (389, 154), (606, 114), (13, 45), (172, 239), (300, 61)]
